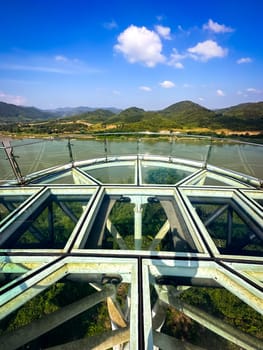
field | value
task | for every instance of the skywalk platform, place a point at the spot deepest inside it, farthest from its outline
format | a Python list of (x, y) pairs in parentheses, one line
[(141, 229)]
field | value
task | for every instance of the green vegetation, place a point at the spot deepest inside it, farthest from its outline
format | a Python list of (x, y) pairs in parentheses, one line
[(184, 115), (218, 303), (50, 227), (165, 176), (189, 114), (238, 117), (11, 113), (94, 321), (241, 243)]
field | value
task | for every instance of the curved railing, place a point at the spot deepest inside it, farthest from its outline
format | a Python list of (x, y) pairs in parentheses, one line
[(20, 157)]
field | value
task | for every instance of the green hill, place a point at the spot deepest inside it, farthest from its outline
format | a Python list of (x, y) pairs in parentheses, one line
[(248, 116), (187, 113), (10, 113), (96, 116), (130, 115), (181, 115), (244, 110)]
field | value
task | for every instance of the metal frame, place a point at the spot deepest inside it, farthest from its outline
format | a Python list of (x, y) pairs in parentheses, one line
[(168, 272)]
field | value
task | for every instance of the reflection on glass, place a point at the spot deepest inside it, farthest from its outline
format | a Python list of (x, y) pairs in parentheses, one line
[(112, 174), (66, 178), (50, 225), (231, 234), (215, 306), (162, 175), (8, 203), (6, 171), (90, 321), (154, 224), (33, 157)]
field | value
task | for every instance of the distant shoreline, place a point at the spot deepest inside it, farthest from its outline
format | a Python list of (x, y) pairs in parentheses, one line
[(218, 133)]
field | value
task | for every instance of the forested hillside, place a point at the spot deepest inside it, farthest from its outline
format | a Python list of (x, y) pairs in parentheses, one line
[(179, 116), (11, 113)]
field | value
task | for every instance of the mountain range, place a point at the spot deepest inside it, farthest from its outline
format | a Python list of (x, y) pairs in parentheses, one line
[(247, 116), (70, 111)]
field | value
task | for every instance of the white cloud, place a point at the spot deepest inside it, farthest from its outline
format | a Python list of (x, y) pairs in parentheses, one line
[(244, 60), (178, 65), (58, 64), (139, 44), (253, 90), (249, 91), (110, 25), (44, 69), (61, 58), (145, 88), (160, 18), (180, 28), (216, 27), (167, 84), (13, 99), (175, 59), (220, 92), (183, 31), (64, 59), (206, 50), (164, 32)]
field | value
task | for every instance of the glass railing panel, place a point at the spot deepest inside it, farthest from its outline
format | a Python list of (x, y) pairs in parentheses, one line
[(87, 149), (35, 156), (102, 148), (121, 147), (193, 149), (155, 146), (243, 158), (251, 157), (6, 171)]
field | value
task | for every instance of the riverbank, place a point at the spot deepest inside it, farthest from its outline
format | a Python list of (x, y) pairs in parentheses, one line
[(246, 136)]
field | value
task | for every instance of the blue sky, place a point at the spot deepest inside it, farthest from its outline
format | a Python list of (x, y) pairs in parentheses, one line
[(149, 54)]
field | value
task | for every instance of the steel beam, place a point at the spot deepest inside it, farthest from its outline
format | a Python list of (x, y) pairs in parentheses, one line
[(164, 341), (212, 323), (103, 341), (31, 285), (23, 335)]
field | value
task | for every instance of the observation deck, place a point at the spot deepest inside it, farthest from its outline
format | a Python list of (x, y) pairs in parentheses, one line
[(158, 237)]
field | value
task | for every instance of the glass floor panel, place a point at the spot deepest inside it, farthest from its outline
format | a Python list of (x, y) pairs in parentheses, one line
[(112, 174), (162, 175), (50, 225)]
